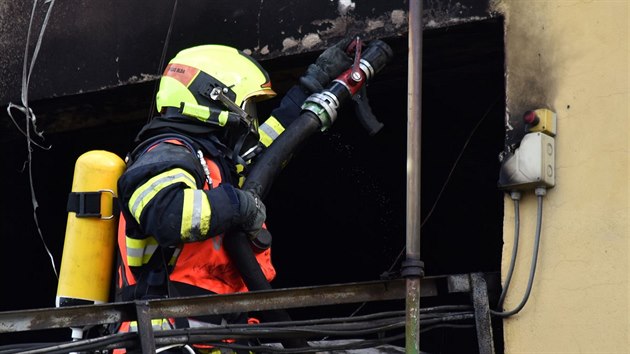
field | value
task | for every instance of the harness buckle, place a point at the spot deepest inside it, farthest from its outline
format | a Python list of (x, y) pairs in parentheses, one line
[(88, 204)]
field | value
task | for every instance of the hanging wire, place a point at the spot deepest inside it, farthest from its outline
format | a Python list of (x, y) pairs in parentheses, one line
[(448, 178), (29, 115), (461, 153), (162, 59), (437, 199)]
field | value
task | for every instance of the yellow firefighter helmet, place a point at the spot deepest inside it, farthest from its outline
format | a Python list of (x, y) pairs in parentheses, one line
[(192, 74)]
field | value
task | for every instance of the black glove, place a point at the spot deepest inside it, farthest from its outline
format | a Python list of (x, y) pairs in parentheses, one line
[(252, 212), (330, 64)]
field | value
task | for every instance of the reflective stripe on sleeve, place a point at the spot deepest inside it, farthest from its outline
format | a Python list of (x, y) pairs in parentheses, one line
[(143, 195), (195, 215), (139, 251), (270, 130)]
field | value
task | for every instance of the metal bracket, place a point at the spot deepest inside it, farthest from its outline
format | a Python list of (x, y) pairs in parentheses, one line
[(88, 204), (217, 94)]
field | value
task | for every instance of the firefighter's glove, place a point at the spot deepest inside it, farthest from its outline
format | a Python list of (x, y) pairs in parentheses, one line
[(252, 212), (330, 64)]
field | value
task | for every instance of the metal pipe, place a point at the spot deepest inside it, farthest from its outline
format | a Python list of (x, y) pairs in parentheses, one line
[(414, 125)]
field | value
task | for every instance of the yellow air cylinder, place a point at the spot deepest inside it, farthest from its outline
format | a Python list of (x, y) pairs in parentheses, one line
[(88, 251)]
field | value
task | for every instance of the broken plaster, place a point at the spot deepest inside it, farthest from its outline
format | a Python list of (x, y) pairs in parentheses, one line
[(289, 42), (344, 6), (374, 24), (398, 17), (311, 40), (393, 21)]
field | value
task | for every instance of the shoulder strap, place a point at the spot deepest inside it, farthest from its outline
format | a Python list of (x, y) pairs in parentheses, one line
[(144, 146)]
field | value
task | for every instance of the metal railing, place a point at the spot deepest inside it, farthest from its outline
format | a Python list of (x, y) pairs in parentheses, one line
[(144, 311)]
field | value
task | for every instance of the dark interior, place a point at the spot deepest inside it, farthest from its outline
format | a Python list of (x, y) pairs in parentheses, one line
[(337, 211)]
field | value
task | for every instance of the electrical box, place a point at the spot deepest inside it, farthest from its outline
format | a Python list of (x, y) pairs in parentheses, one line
[(545, 122), (531, 165)]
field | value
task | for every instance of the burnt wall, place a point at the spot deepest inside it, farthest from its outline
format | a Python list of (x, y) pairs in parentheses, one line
[(337, 211), (96, 46)]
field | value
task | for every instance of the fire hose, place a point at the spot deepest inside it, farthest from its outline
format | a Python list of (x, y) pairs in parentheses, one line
[(319, 112)]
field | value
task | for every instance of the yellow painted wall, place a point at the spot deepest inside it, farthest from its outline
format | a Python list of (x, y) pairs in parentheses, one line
[(572, 56)]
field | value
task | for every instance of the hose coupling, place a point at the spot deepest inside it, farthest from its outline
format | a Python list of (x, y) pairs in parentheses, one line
[(324, 105)]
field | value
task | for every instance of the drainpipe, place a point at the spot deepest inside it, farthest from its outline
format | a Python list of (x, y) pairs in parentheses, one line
[(412, 268)]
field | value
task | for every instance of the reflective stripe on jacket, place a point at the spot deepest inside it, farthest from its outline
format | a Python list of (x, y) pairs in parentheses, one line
[(195, 256)]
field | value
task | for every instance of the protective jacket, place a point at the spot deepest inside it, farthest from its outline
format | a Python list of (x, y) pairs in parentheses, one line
[(177, 200)]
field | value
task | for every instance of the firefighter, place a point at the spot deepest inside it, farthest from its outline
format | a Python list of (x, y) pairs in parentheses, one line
[(180, 192)]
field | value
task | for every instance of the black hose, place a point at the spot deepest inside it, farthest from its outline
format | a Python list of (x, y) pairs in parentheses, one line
[(271, 162), (262, 175), (259, 179)]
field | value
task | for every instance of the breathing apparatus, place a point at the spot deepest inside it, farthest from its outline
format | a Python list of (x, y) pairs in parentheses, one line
[(88, 250)]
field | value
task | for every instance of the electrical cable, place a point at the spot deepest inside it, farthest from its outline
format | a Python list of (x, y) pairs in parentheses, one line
[(340, 329), (364, 326), (19, 346), (450, 174), (369, 343), (540, 192), (446, 325), (187, 347), (461, 153), (516, 197), (80, 345), (445, 308), (425, 313), (194, 336), (207, 336), (350, 321), (442, 315), (328, 320), (198, 335), (429, 312)]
